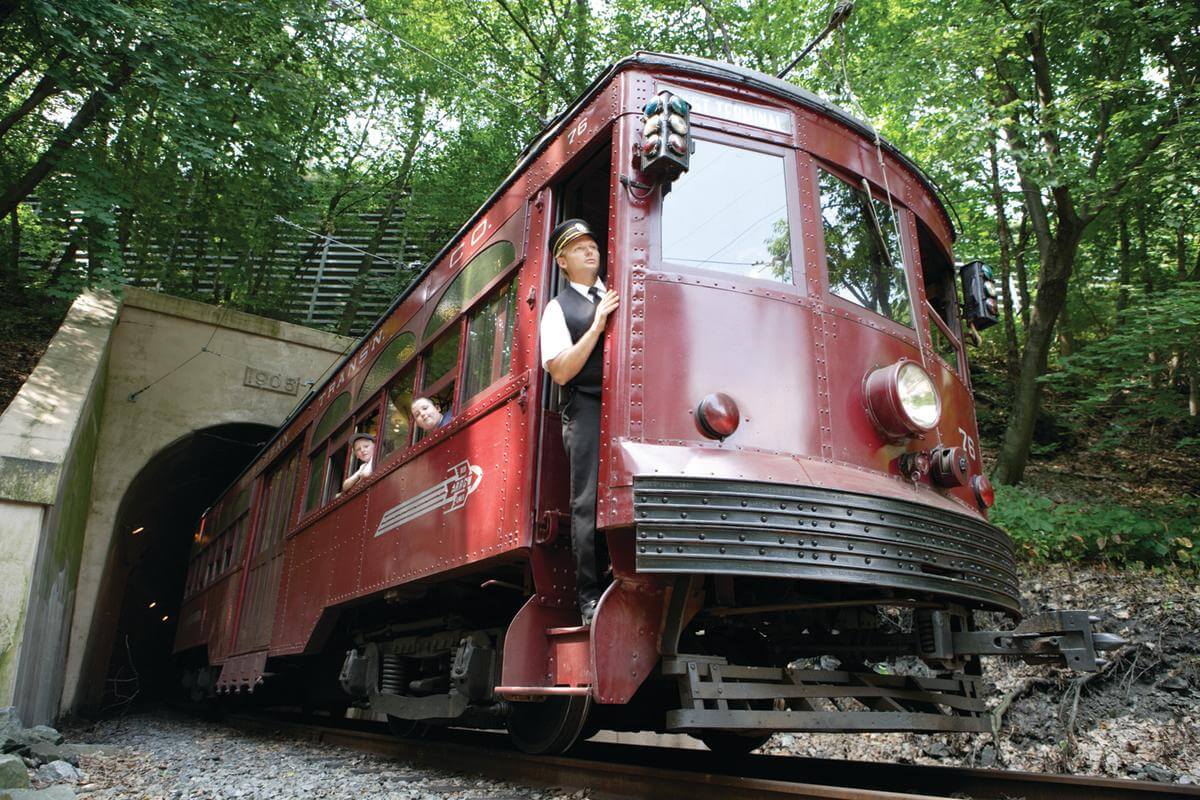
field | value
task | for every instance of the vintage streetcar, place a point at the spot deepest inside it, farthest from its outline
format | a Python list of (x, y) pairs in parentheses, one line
[(791, 491)]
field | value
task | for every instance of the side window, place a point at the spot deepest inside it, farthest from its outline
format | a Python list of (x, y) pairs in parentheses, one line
[(854, 253), (335, 471), (439, 363), (277, 502), (325, 453), (728, 213), (489, 342), (941, 294), (398, 426)]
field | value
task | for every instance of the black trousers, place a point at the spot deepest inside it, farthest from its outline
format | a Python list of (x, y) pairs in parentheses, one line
[(581, 438)]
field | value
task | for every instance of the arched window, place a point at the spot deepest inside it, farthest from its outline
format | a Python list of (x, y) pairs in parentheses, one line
[(478, 272), (396, 353), (333, 415)]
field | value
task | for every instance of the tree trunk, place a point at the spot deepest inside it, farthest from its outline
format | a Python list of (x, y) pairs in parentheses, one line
[(1066, 340), (1022, 273), (45, 87), (1125, 265), (354, 300), (49, 159), (1051, 298), (11, 275), (1012, 355)]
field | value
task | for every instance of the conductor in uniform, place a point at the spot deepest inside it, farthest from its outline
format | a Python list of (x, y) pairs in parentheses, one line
[(572, 342)]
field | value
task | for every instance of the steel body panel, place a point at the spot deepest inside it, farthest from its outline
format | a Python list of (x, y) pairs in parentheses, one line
[(206, 619), (761, 354)]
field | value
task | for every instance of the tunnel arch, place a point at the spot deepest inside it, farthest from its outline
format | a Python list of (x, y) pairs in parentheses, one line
[(128, 653)]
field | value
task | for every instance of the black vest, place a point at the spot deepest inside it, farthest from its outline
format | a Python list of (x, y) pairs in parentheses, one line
[(579, 312)]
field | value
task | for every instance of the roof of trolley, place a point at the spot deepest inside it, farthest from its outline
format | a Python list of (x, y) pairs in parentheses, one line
[(694, 65)]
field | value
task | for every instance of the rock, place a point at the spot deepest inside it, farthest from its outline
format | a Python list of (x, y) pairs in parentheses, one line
[(13, 774), (44, 733), (987, 756), (1174, 683), (936, 750), (1159, 773), (59, 792), (44, 753), (56, 772), (10, 722)]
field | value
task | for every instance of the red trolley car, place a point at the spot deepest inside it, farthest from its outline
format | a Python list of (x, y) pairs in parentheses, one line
[(790, 481)]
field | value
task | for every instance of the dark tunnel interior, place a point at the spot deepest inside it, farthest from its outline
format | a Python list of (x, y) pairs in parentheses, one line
[(143, 586)]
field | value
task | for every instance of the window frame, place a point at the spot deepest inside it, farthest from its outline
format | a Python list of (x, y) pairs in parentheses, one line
[(497, 345), (791, 183), (909, 333)]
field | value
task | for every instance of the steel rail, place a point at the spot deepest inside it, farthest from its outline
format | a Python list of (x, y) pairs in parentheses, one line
[(652, 772)]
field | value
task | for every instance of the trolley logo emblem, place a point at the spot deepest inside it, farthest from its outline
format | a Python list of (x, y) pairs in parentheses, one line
[(461, 481)]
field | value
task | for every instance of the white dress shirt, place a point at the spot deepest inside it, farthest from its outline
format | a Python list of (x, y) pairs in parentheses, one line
[(555, 337)]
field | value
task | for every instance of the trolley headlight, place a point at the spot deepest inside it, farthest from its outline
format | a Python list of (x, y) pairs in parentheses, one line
[(902, 399), (717, 416)]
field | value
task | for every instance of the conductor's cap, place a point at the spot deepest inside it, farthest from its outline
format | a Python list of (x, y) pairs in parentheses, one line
[(567, 232)]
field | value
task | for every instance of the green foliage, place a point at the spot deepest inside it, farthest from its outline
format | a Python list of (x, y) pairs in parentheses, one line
[(1134, 379), (1152, 535)]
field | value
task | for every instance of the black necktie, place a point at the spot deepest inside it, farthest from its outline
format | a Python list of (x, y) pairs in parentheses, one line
[(594, 295)]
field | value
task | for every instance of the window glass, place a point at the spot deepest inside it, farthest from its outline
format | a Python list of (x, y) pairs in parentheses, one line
[(399, 412), (858, 268), (489, 343), (316, 478), (336, 473), (396, 353), (510, 323), (728, 213), (478, 272), (441, 358), (942, 344), (279, 485), (333, 415)]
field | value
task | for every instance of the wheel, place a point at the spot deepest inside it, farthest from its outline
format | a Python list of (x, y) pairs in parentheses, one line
[(550, 726), (406, 728), (732, 744)]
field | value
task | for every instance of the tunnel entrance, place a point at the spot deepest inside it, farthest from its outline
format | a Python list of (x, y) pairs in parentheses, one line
[(130, 655)]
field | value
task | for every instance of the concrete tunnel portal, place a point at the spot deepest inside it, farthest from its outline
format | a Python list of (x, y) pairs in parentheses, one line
[(141, 412)]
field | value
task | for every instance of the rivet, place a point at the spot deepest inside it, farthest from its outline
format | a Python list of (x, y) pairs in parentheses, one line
[(722, 549), (762, 551), (741, 537), (763, 517), (658, 549)]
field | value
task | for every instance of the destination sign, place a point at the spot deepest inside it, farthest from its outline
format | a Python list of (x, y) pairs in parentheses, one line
[(711, 105)]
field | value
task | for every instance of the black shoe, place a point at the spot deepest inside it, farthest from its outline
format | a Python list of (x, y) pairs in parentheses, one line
[(587, 611)]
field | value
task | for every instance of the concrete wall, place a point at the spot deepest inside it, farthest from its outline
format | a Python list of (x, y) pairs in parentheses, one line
[(175, 367), (119, 384), (48, 438)]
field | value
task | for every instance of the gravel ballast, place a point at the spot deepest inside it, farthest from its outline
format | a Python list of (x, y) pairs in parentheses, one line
[(164, 756)]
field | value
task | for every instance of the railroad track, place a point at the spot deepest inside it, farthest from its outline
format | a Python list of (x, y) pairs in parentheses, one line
[(624, 772)]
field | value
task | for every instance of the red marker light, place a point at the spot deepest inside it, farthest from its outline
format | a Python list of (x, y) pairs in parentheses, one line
[(985, 493), (717, 416)]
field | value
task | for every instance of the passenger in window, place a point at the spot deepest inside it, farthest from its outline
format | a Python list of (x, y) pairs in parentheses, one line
[(364, 452), (572, 341), (427, 415)]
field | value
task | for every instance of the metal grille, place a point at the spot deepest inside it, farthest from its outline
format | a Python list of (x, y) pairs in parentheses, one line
[(743, 528)]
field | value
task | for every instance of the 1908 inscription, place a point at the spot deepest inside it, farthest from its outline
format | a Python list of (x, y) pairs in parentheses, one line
[(271, 382)]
